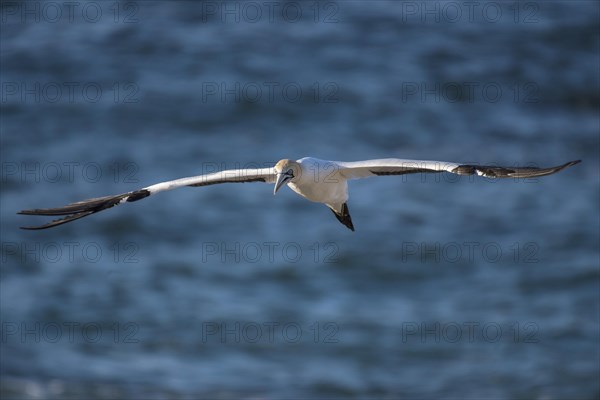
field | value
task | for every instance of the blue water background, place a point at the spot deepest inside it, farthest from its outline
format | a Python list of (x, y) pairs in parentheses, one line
[(166, 296)]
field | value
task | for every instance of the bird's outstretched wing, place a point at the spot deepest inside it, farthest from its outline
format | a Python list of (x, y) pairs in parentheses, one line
[(80, 209), (395, 166)]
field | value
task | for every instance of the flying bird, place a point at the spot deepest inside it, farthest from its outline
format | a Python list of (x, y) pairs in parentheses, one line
[(320, 181)]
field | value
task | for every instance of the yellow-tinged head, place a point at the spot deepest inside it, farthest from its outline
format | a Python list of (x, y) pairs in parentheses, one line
[(283, 164), (286, 171)]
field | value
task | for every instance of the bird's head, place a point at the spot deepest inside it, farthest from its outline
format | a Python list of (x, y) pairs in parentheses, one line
[(286, 171)]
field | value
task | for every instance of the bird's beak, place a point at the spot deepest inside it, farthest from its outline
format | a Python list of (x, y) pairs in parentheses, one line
[(281, 180)]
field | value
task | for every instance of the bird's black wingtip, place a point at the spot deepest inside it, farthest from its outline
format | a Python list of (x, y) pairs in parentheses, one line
[(568, 164), (80, 209), (30, 228)]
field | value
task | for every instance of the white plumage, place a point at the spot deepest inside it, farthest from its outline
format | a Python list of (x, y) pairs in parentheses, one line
[(317, 180)]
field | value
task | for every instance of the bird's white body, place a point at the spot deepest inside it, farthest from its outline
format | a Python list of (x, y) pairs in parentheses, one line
[(320, 181)]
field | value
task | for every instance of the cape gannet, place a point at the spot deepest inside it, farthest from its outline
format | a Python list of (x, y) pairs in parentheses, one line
[(317, 180)]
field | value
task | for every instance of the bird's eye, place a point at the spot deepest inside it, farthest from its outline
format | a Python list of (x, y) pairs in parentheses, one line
[(290, 172)]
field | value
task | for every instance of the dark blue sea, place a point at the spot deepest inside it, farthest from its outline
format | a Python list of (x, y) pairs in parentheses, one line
[(451, 287)]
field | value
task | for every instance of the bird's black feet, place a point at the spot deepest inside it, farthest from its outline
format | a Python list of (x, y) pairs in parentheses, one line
[(344, 216)]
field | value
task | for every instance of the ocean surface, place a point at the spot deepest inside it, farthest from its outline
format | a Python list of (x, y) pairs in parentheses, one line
[(451, 287)]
